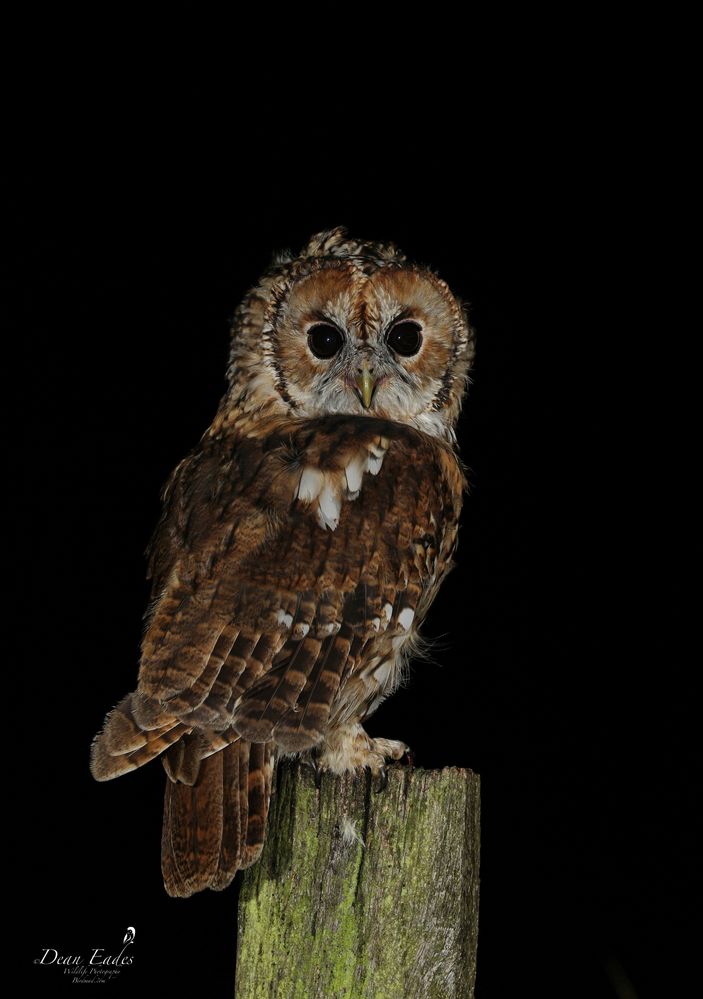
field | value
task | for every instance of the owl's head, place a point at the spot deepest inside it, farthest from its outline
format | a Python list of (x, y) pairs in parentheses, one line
[(349, 327)]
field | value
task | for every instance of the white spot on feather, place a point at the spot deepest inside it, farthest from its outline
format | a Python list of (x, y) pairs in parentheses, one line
[(301, 630), (406, 617), (328, 629), (382, 673), (355, 473), (375, 462), (283, 618), (311, 482), (388, 611), (329, 507)]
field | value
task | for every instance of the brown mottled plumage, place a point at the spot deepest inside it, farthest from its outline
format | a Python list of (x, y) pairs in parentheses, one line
[(299, 548)]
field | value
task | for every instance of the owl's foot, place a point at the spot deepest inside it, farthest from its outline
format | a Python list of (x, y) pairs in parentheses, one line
[(394, 751), (350, 748)]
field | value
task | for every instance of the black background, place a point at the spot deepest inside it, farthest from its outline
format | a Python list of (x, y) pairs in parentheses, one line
[(562, 673)]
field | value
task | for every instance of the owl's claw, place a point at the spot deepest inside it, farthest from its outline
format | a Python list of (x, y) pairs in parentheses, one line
[(316, 768), (383, 770), (382, 779)]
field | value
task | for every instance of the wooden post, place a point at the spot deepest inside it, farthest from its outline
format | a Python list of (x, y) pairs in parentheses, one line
[(360, 895)]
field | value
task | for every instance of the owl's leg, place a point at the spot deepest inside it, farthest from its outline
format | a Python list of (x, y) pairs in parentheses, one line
[(348, 747)]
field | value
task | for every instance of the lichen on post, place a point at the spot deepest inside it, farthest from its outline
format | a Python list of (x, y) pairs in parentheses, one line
[(360, 895)]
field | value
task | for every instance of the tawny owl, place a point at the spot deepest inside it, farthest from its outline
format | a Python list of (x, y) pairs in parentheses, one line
[(299, 548)]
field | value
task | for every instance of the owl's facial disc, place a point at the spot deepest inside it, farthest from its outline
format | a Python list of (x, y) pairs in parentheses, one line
[(390, 343)]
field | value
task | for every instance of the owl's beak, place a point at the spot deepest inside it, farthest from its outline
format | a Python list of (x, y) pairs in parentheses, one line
[(366, 383)]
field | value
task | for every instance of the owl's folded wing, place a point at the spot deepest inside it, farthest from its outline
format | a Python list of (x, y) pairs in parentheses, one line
[(275, 564)]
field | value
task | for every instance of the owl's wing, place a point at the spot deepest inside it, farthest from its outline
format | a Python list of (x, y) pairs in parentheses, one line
[(275, 563)]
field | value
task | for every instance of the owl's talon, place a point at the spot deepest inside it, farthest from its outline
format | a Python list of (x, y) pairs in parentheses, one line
[(315, 765), (409, 758), (382, 780)]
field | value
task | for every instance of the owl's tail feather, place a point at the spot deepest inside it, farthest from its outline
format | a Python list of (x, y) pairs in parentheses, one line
[(215, 826), (217, 792), (133, 734)]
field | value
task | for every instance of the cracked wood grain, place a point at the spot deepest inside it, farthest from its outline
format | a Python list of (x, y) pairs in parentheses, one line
[(361, 895)]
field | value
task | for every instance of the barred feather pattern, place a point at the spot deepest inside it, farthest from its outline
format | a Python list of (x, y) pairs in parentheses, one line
[(293, 563)]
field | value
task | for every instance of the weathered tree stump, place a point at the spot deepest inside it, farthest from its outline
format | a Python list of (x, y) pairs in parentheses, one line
[(361, 895)]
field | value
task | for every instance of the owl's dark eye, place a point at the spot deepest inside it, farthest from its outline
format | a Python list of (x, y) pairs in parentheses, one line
[(325, 340), (405, 338)]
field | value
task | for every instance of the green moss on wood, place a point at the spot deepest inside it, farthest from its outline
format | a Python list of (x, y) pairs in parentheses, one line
[(323, 915)]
